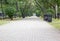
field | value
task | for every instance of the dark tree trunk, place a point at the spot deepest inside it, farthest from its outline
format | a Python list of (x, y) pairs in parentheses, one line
[(11, 18), (55, 16), (17, 6), (2, 9), (23, 16)]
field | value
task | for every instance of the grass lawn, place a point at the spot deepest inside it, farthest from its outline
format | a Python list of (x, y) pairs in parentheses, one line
[(56, 23), (5, 21)]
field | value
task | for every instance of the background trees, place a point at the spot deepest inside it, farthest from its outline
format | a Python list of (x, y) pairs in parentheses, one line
[(25, 8), (49, 6)]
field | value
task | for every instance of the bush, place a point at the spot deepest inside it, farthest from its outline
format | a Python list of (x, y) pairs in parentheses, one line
[(10, 12), (38, 14)]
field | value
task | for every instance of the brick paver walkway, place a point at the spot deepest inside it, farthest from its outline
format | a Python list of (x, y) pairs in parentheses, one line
[(29, 29)]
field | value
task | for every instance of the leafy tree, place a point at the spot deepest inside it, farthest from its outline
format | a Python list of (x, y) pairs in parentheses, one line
[(10, 12), (25, 7)]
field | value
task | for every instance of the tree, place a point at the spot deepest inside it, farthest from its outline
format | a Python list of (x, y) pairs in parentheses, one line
[(25, 7), (10, 12), (55, 4), (1, 1)]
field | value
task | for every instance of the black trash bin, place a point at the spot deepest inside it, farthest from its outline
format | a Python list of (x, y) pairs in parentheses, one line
[(48, 17), (45, 17)]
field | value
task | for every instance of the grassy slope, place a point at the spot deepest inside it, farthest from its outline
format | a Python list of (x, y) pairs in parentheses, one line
[(8, 20), (3, 22), (56, 23)]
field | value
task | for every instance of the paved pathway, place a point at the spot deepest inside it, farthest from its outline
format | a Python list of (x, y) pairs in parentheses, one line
[(29, 29)]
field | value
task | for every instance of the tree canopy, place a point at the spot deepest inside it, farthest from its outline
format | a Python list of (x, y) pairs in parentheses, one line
[(28, 7)]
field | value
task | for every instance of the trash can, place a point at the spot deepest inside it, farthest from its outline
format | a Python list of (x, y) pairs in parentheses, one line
[(48, 17), (45, 17)]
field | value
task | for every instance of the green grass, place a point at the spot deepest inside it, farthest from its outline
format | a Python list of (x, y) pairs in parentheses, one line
[(41, 18), (56, 23), (3, 22)]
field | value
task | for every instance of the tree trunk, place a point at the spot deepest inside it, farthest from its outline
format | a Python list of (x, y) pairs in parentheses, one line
[(2, 8), (17, 6), (56, 8), (11, 17)]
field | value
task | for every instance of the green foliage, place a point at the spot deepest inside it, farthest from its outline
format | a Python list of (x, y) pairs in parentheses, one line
[(3, 22), (48, 6), (10, 12), (38, 13), (51, 11), (56, 23), (28, 7)]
